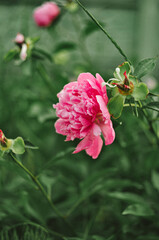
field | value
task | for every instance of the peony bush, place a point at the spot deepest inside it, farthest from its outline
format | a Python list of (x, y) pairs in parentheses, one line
[(53, 99)]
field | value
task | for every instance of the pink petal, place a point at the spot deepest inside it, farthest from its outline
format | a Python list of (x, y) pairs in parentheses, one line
[(92, 143), (100, 80), (103, 107), (85, 76), (95, 147), (96, 130), (61, 126), (85, 143), (19, 38), (23, 53), (108, 132)]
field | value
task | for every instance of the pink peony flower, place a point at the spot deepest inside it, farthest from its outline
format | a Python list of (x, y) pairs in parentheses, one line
[(19, 38), (46, 14), (83, 114)]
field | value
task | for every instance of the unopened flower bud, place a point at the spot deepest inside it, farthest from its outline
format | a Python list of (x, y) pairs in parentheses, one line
[(23, 53), (5, 143), (19, 38), (46, 14)]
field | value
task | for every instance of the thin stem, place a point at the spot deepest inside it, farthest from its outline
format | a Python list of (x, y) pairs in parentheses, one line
[(131, 105), (105, 32), (149, 121), (42, 72), (74, 207), (40, 187), (38, 226)]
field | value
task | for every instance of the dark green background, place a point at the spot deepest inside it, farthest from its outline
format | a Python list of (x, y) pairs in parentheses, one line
[(126, 172)]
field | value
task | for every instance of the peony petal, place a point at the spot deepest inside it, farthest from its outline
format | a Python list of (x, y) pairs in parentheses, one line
[(95, 147), (85, 143), (61, 126), (103, 107), (104, 90), (96, 130), (108, 132), (85, 76)]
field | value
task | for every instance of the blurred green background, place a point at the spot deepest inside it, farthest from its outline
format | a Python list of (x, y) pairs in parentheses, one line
[(94, 193)]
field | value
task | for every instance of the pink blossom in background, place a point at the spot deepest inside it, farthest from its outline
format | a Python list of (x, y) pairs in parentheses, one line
[(46, 14), (19, 38), (83, 114)]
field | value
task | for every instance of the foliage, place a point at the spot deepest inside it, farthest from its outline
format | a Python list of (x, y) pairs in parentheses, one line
[(112, 197)]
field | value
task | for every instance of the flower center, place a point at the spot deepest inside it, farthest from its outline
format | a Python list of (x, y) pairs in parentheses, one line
[(99, 118)]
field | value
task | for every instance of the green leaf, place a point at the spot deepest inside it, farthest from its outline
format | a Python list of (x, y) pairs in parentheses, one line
[(11, 54), (64, 46), (33, 39), (18, 146), (42, 53), (145, 66), (138, 210), (71, 7), (140, 91), (61, 57), (123, 67), (153, 104), (155, 179), (47, 116), (126, 196), (90, 27), (72, 238), (153, 94), (115, 105), (95, 237)]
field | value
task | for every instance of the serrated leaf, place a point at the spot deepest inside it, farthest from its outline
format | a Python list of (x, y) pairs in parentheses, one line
[(18, 146), (123, 67), (140, 91), (145, 66), (115, 105), (138, 210)]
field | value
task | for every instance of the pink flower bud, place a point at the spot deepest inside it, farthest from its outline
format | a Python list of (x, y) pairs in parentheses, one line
[(23, 53), (2, 138), (19, 38), (46, 14)]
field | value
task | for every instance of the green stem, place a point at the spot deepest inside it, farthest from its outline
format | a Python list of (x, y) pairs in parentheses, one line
[(105, 32), (131, 104), (37, 226), (42, 72), (149, 121), (40, 187), (74, 207)]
